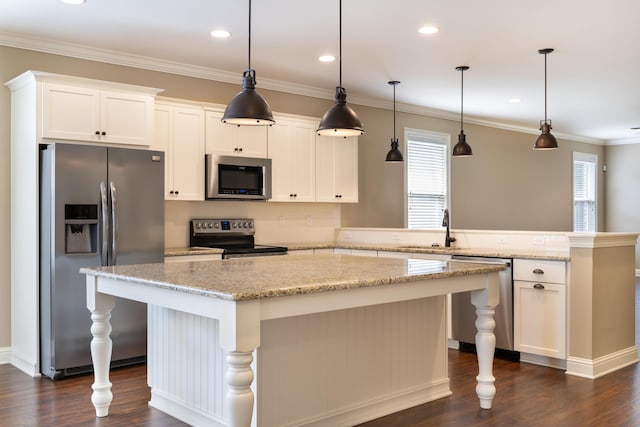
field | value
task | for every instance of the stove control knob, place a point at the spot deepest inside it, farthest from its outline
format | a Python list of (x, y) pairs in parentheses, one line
[(251, 225), (234, 225), (209, 225), (216, 225), (198, 225)]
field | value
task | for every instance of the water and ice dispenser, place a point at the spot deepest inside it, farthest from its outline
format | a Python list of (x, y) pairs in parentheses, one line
[(81, 229)]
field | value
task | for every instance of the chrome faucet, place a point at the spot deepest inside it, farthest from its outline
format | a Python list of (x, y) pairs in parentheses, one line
[(445, 223)]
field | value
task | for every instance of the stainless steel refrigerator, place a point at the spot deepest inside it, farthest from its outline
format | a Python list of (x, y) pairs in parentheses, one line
[(98, 206)]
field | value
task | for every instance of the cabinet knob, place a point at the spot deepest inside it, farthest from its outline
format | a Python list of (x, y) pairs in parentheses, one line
[(538, 286), (538, 271), (97, 132), (171, 192), (103, 133), (240, 149), (177, 192)]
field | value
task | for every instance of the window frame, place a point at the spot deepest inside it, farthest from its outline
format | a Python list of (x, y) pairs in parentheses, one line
[(431, 137), (588, 158)]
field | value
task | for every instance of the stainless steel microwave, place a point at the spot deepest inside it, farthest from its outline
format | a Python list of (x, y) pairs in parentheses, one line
[(231, 177)]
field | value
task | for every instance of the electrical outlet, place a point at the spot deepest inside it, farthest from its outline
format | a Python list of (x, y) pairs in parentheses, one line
[(308, 220), (501, 240), (281, 221), (538, 240), (395, 236)]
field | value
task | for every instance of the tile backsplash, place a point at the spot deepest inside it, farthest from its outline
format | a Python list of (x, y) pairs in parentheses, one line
[(276, 223)]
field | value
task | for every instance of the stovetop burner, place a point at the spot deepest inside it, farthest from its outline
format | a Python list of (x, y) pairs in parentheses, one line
[(235, 236)]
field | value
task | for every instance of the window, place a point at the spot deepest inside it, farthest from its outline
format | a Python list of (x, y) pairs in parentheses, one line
[(427, 178), (584, 191)]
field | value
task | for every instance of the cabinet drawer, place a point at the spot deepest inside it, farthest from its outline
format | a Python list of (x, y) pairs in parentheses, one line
[(539, 271)]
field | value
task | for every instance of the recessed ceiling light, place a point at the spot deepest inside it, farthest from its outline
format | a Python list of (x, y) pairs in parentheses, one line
[(220, 34), (327, 58), (428, 29), (73, 1), (514, 100)]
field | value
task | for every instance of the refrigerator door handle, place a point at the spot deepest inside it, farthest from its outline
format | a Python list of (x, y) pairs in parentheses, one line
[(114, 224), (104, 222)]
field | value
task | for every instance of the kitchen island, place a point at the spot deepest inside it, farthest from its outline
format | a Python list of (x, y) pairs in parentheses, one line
[(329, 339)]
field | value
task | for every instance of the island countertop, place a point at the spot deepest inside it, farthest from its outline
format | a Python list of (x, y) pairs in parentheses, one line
[(253, 278)]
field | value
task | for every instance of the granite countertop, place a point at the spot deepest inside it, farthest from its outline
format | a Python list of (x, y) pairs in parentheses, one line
[(252, 278), (554, 255)]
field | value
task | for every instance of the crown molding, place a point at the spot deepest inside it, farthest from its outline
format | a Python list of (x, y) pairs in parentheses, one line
[(78, 51)]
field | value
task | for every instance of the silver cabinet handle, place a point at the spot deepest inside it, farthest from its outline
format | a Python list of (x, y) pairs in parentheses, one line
[(538, 286), (538, 271), (105, 225), (114, 224)]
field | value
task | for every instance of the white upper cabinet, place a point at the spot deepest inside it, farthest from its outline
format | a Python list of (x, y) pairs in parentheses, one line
[(337, 169), (179, 132), (291, 148), (230, 140), (92, 114)]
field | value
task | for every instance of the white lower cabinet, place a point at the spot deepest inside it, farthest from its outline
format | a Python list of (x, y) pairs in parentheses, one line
[(539, 308)]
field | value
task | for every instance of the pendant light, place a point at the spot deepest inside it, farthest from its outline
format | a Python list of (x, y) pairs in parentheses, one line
[(462, 149), (394, 155), (248, 107), (340, 120), (545, 141)]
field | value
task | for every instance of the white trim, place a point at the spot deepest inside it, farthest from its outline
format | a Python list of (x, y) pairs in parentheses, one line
[(595, 368), (602, 240), (5, 355), (184, 413), (25, 365), (549, 362), (586, 158), (72, 50)]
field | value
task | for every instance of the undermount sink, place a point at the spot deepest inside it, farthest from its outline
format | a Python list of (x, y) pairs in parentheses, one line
[(431, 248)]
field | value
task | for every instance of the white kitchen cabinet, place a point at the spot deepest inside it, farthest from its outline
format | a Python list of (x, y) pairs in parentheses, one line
[(96, 115), (179, 132), (336, 169), (291, 148), (539, 306), (230, 140)]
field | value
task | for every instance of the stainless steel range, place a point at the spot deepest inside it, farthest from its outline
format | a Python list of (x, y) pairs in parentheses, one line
[(235, 236)]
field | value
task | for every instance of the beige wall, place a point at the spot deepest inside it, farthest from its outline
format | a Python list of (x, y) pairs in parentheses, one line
[(623, 189), (505, 185)]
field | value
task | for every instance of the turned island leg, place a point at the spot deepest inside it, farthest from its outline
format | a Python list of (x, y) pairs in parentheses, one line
[(485, 301), (239, 398), (100, 306)]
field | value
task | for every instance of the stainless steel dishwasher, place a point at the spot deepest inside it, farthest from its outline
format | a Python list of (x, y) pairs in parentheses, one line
[(463, 313)]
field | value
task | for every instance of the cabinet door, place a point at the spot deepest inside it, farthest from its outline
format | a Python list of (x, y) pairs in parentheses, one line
[(346, 169), (325, 166), (220, 138), (163, 131), (126, 118), (230, 140), (540, 318), (186, 152), (70, 112), (252, 141), (337, 169), (291, 148)]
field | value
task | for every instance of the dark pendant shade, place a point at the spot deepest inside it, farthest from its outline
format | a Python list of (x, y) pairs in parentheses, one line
[(340, 120), (248, 107), (462, 149), (394, 155), (545, 141)]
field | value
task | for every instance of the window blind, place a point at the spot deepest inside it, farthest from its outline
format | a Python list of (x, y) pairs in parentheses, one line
[(584, 192), (427, 181)]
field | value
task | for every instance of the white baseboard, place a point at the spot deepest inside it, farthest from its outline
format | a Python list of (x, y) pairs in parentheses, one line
[(592, 369), (5, 355), (549, 362), (184, 413), (29, 367)]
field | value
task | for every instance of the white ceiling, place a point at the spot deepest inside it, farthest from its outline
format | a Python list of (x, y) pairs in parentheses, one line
[(592, 75)]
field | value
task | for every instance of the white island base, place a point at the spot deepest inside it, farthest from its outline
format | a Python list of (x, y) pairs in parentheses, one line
[(333, 358)]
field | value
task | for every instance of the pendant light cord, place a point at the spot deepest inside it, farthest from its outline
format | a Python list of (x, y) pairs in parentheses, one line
[(249, 50), (340, 40), (394, 111), (545, 87), (461, 98)]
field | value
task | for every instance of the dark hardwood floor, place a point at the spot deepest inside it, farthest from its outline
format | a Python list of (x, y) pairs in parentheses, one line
[(527, 395)]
